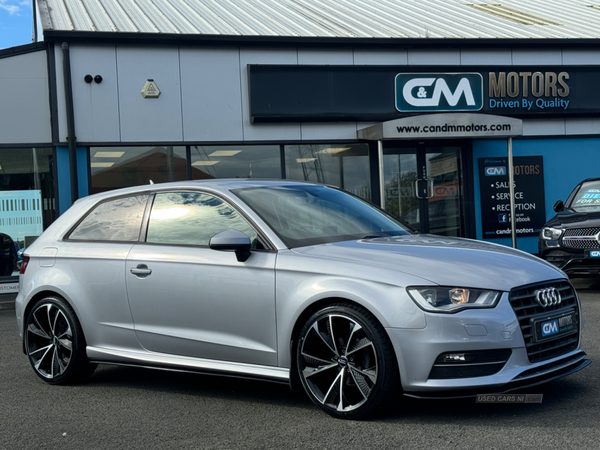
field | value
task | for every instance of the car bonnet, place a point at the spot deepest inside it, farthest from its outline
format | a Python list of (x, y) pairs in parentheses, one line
[(445, 261)]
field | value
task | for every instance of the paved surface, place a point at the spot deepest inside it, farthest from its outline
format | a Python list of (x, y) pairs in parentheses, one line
[(127, 408)]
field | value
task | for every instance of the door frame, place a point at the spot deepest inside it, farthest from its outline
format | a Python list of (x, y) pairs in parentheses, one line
[(467, 200)]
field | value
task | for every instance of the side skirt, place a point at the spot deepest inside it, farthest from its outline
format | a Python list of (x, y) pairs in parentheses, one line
[(187, 364)]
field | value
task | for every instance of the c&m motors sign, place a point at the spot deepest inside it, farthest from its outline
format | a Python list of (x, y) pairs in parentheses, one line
[(363, 93), (419, 92)]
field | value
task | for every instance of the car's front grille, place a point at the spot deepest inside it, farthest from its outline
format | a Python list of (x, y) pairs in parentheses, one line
[(581, 238), (529, 311)]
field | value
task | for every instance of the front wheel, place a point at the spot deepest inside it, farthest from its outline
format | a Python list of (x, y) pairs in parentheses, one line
[(346, 362), (55, 343)]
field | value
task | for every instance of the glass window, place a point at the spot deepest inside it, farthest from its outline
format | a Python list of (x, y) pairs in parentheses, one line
[(192, 218), (27, 202), (115, 220), (231, 161), (308, 215), (587, 198), (342, 165), (118, 167)]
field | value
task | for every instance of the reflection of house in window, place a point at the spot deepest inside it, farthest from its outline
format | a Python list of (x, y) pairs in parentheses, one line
[(159, 164)]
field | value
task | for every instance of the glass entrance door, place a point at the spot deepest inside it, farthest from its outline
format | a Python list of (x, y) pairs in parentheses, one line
[(424, 186)]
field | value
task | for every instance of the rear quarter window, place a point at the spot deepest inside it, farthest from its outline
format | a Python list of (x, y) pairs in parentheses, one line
[(114, 220)]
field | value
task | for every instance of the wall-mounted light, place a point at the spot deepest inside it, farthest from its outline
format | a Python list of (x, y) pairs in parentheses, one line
[(88, 78)]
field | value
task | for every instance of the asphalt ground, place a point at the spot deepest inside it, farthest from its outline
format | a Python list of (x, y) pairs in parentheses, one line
[(134, 408)]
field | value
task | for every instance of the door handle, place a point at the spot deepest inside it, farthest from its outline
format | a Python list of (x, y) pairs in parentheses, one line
[(429, 187), (141, 270), (424, 188)]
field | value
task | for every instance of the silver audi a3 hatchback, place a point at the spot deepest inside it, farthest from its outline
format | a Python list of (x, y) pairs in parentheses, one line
[(295, 283)]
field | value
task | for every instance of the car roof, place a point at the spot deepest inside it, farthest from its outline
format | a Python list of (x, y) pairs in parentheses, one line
[(590, 179), (217, 185)]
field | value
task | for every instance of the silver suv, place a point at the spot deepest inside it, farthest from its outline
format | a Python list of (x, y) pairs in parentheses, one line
[(292, 282)]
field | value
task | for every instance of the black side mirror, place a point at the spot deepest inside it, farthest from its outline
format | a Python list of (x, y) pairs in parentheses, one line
[(559, 206), (232, 241)]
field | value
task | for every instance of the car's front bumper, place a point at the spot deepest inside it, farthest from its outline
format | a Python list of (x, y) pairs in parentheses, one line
[(470, 331), (575, 262)]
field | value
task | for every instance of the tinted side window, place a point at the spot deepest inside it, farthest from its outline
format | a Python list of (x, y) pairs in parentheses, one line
[(192, 218), (116, 220)]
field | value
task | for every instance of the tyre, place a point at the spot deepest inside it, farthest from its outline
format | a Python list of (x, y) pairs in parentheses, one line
[(346, 362), (55, 343)]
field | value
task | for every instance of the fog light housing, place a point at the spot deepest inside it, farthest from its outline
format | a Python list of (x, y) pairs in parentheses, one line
[(470, 364)]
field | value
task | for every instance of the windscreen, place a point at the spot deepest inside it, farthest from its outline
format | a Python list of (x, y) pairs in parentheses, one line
[(587, 198), (304, 215)]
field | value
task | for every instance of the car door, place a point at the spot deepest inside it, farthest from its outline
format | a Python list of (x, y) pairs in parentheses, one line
[(187, 299)]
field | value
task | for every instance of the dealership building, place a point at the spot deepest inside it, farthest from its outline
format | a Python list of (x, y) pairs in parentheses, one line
[(412, 105)]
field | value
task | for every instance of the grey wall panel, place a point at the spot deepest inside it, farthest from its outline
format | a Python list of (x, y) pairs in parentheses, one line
[(149, 119), (544, 127), (487, 57), (583, 126), (60, 96), (325, 57), (580, 56), (523, 57), (96, 105), (265, 132), (433, 57), (25, 110), (381, 57), (211, 94), (328, 131)]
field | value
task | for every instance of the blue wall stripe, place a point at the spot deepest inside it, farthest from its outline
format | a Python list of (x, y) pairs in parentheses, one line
[(567, 161), (63, 174), (82, 172)]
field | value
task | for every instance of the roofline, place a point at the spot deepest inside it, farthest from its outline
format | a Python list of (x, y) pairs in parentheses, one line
[(23, 49), (97, 37)]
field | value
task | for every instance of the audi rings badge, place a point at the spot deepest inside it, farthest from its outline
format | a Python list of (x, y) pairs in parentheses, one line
[(548, 297)]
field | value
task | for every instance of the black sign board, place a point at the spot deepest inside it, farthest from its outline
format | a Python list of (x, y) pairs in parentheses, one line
[(530, 212), (280, 93)]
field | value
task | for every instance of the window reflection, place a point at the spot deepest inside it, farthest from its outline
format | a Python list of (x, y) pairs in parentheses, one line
[(116, 220), (117, 167), (235, 161), (192, 218), (342, 165), (26, 201)]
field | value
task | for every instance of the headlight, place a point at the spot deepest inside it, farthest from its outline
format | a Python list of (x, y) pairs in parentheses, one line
[(551, 234), (450, 300)]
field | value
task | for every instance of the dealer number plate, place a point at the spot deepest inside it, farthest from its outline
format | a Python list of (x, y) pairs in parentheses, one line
[(547, 329)]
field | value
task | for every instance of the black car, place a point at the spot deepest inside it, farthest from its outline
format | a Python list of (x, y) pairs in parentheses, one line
[(571, 239), (8, 255)]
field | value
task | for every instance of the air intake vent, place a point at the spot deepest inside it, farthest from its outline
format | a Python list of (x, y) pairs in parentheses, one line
[(514, 15)]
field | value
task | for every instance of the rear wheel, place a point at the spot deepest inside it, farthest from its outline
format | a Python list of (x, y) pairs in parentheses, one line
[(55, 343), (346, 362)]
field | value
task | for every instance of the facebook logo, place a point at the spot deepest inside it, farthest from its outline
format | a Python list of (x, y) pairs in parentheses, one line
[(503, 218)]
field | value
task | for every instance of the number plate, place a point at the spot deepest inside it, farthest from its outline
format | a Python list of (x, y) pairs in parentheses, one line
[(558, 326), (593, 253)]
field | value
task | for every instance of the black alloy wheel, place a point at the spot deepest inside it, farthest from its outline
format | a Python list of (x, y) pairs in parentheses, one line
[(55, 343), (346, 362)]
